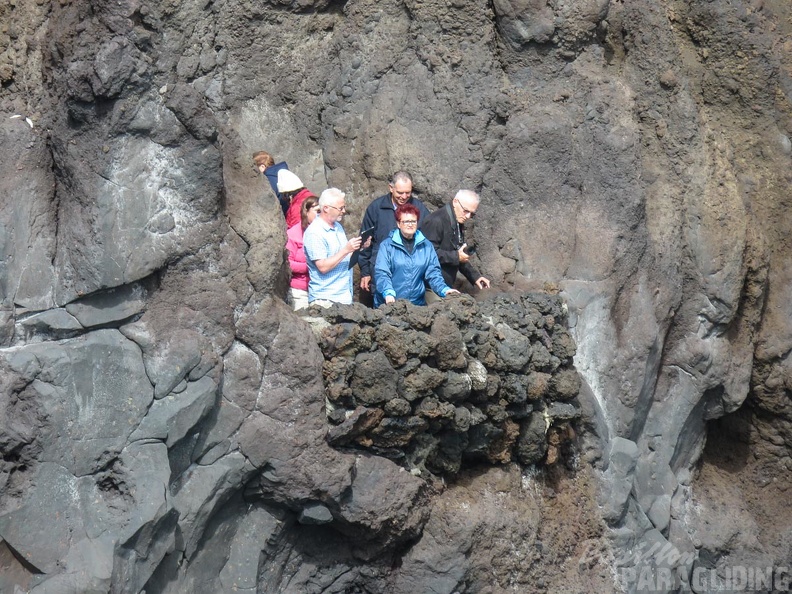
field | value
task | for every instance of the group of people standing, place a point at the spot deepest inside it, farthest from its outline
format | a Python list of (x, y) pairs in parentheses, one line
[(404, 251)]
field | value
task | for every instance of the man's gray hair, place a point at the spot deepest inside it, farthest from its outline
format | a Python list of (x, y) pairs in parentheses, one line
[(470, 195), (330, 195), (400, 176)]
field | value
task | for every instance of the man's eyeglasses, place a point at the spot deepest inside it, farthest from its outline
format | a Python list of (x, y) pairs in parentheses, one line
[(342, 209), (408, 222), (470, 213)]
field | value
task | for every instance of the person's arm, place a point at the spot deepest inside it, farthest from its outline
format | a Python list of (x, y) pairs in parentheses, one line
[(474, 276), (316, 250), (271, 173), (434, 276), (469, 272), (383, 272), (297, 265), (325, 265), (434, 231), (364, 258)]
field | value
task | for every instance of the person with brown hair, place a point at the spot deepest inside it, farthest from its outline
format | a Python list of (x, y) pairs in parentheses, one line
[(298, 290), (266, 165)]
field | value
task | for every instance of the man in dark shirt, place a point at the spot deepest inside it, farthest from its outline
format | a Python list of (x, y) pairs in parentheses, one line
[(380, 216), (445, 228)]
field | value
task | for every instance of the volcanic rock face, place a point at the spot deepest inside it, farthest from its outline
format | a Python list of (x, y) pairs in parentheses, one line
[(433, 387), (162, 421)]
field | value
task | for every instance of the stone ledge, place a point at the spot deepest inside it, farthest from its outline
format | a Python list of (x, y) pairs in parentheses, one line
[(452, 384)]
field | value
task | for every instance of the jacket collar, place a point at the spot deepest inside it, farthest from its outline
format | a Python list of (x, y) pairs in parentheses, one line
[(324, 224), (396, 237)]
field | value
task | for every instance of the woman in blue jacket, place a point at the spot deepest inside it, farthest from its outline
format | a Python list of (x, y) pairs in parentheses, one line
[(405, 261)]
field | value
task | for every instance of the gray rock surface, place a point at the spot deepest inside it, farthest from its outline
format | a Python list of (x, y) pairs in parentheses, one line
[(109, 307), (45, 325), (632, 157)]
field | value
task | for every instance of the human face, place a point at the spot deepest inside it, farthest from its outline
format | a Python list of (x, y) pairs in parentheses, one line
[(464, 209), (408, 225), (400, 191), (336, 211), (312, 212)]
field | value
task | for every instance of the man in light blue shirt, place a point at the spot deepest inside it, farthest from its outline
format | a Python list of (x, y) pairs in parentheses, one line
[(327, 252)]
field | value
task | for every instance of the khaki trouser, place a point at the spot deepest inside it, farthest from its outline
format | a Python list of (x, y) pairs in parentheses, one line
[(299, 298), (432, 297), (322, 303)]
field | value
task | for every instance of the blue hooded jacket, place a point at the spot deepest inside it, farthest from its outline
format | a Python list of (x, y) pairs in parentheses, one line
[(402, 275), (379, 214)]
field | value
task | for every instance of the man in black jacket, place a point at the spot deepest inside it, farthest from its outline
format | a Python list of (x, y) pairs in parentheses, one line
[(445, 228), (380, 216)]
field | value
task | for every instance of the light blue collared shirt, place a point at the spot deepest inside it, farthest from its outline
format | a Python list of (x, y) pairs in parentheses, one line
[(321, 241)]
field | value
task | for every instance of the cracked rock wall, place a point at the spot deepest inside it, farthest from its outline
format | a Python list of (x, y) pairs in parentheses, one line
[(162, 410)]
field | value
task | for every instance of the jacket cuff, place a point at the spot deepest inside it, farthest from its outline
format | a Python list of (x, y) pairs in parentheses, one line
[(390, 292)]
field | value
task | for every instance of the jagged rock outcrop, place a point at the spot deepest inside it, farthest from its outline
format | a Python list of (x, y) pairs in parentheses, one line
[(456, 382), (162, 411)]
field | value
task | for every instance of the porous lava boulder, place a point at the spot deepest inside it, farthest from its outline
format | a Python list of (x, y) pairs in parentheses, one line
[(450, 384)]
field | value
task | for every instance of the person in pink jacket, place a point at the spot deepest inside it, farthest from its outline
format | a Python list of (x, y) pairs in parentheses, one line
[(294, 244)]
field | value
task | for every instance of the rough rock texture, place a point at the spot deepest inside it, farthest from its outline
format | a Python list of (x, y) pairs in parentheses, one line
[(459, 382), (162, 422)]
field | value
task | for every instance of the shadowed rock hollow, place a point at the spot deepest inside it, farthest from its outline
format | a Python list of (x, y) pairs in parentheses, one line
[(162, 421)]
